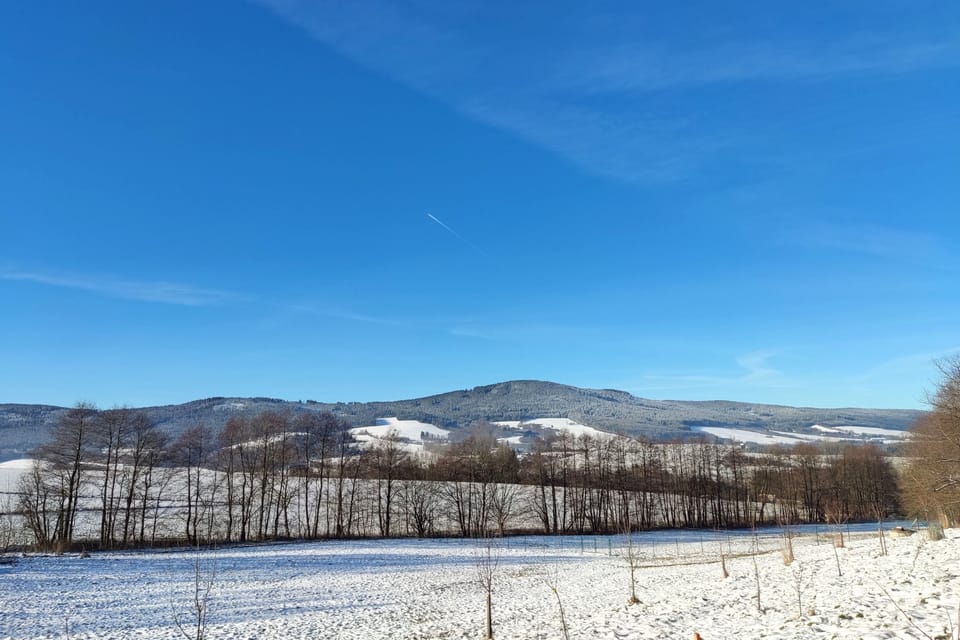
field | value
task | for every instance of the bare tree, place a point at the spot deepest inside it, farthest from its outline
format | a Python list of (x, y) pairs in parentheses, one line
[(313, 443), (386, 457), (192, 451), (631, 553), (503, 505), (796, 572), (487, 561), (192, 625), (347, 469), (553, 582), (755, 551), (67, 454), (36, 501), (110, 434), (144, 449), (420, 505), (932, 480), (8, 532)]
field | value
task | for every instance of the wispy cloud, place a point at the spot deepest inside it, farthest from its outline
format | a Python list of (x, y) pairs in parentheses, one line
[(339, 313), (756, 366), (525, 333), (885, 242), (908, 365), (644, 68), (539, 77), (753, 371), (141, 291)]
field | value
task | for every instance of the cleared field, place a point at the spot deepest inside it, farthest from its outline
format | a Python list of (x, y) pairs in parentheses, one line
[(428, 589)]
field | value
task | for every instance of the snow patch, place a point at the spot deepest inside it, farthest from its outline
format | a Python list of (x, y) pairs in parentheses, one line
[(412, 430), (877, 432), (229, 406), (752, 437), (22, 464), (557, 424), (823, 429)]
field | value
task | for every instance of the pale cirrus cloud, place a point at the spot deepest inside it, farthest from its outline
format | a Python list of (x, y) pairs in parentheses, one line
[(535, 71), (886, 242), (161, 292)]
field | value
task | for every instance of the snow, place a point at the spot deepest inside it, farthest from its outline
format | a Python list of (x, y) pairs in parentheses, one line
[(411, 430), (230, 406), (808, 437), (874, 432), (557, 424), (753, 437), (826, 434), (427, 589), (23, 464), (823, 429), (10, 474)]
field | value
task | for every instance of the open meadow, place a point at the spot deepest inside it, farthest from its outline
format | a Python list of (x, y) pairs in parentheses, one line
[(429, 589)]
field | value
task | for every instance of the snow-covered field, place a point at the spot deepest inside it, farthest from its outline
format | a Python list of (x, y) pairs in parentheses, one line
[(846, 433), (563, 425), (411, 433), (427, 589)]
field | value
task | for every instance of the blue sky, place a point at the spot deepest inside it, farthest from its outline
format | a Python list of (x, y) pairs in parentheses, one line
[(373, 200)]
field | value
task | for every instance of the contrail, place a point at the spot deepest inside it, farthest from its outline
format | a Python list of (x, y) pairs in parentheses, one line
[(457, 235)]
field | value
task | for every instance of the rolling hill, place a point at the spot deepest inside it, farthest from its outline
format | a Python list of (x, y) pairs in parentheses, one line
[(23, 427)]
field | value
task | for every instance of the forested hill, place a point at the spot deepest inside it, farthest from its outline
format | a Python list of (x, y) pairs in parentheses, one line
[(25, 426)]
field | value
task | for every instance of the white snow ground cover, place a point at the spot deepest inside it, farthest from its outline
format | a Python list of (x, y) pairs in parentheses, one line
[(754, 437), (875, 432), (848, 433), (410, 432), (408, 429), (427, 590), (10, 473), (557, 424)]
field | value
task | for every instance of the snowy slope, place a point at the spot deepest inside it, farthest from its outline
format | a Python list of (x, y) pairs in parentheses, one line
[(850, 433), (565, 425), (410, 433)]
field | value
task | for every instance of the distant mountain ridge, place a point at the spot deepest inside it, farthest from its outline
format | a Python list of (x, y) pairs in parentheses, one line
[(23, 427)]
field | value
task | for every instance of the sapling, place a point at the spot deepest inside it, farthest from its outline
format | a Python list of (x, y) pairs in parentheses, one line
[(836, 554), (916, 555), (632, 554), (786, 547), (553, 580), (796, 569), (487, 561), (193, 625), (756, 568), (883, 540)]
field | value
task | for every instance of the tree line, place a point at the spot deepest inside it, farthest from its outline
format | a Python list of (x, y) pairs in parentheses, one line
[(112, 478)]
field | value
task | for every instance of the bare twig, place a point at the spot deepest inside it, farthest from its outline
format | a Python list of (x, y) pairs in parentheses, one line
[(905, 614)]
